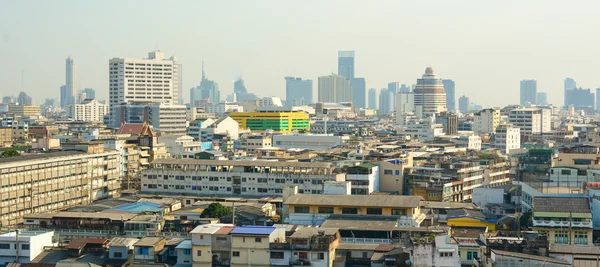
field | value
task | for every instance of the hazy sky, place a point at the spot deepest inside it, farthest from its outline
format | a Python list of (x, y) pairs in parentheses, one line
[(487, 47)]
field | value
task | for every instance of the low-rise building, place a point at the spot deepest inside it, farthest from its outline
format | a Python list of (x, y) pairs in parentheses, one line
[(275, 121), (307, 141), (435, 251), (250, 245), (31, 244), (566, 220), (148, 248), (507, 138), (364, 179), (120, 249)]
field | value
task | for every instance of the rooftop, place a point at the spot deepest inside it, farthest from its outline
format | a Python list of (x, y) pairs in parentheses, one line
[(531, 257), (308, 232), (561, 204), (148, 241), (358, 222), (79, 243), (241, 163), (390, 201), (87, 215), (447, 205), (122, 241), (40, 156), (253, 230), (185, 244)]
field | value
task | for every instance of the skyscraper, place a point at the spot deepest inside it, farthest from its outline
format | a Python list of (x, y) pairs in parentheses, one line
[(598, 99), (298, 91), (394, 87), (64, 97), (430, 96), (463, 104), (528, 92), (405, 103), (359, 92), (24, 99), (570, 84), (372, 98), (71, 81), (334, 88), (404, 88), (89, 93), (207, 90), (346, 64), (9, 100), (581, 98), (449, 87), (124, 74), (385, 101), (241, 93), (542, 98)]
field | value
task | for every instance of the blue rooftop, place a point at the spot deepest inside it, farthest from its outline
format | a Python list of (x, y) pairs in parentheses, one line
[(139, 207), (253, 230)]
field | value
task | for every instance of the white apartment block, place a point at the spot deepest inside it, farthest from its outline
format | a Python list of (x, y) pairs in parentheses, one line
[(404, 105), (507, 137), (152, 79), (307, 141), (485, 121), (208, 128), (89, 110), (235, 177), (222, 108), (30, 245), (531, 120), (49, 182), (167, 119)]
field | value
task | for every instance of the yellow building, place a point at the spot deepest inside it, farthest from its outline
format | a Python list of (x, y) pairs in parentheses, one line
[(469, 218), (276, 121), (250, 245), (24, 111), (309, 209), (565, 220)]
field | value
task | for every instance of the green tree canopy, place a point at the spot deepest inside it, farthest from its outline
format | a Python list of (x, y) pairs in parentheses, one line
[(9, 153), (216, 210)]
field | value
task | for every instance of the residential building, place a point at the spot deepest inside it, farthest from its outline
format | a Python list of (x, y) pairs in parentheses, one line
[(346, 64), (430, 97), (449, 121), (251, 143), (152, 79), (405, 104), (89, 110), (148, 248), (30, 245), (6, 139), (235, 177), (307, 141), (528, 92), (464, 104), (57, 180), (450, 88), (359, 92), (364, 179), (222, 108), (184, 252), (485, 121), (70, 82), (386, 101), (272, 121), (334, 88), (391, 172), (531, 120), (305, 209), (24, 110), (298, 91), (310, 246), (509, 258), (372, 98), (435, 251), (566, 219), (507, 137), (250, 245), (167, 119), (120, 249), (205, 130)]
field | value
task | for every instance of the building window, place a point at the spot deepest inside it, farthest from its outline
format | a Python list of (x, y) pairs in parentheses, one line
[(236, 253), (199, 253), (565, 172), (374, 211), (349, 210), (187, 252), (326, 210), (561, 238), (142, 251), (388, 172), (399, 212), (320, 256), (471, 255), (25, 246), (581, 239), (276, 255), (446, 254), (118, 255), (301, 209), (258, 240)]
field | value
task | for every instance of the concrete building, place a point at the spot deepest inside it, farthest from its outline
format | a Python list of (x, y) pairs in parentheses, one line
[(566, 220), (515, 259), (235, 177), (429, 94), (30, 245), (307, 141), (346, 64), (528, 92), (364, 179), (57, 180), (372, 99), (275, 121), (450, 88), (208, 91), (486, 121), (222, 108), (531, 120), (437, 251), (405, 104), (581, 98), (334, 88), (464, 104), (449, 122), (391, 173), (251, 143), (386, 101), (205, 130), (507, 138), (152, 79), (298, 91), (24, 99), (121, 248), (88, 110), (250, 245), (70, 82), (598, 99), (164, 118), (359, 92), (24, 110)]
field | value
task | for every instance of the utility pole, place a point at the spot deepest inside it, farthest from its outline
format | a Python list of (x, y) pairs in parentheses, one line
[(16, 244)]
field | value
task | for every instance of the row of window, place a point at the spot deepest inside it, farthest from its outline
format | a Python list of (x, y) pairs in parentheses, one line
[(7, 246), (329, 210)]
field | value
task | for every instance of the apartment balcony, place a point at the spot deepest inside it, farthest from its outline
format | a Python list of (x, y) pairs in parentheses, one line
[(552, 223), (366, 240)]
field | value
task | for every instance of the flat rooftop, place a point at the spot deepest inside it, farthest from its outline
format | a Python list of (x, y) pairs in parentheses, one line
[(388, 201), (242, 163)]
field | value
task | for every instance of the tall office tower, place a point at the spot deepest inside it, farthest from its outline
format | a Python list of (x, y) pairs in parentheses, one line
[(463, 104), (405, 103), (528, 92), (240, 93), (9, 100), (372, 98), (449, 87), (394, 87), (334, 89), (64, 97), (298, 91), (24, 100), (430, 96), (206, 92), (239, 86), (598, 99), (359, 92), (89, 93), (581, 98), (346, 64), (404, 89), (152, 79), (542, 98), (570, 84), (385, 101), (71, 81)]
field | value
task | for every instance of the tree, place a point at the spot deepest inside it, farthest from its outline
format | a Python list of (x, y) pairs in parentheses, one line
[(9, 154), (525, 220), (215, 210)]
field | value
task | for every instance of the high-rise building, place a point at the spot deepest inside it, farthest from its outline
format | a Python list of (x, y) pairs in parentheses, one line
[(542, 98), (206, 92), (89, 110), (64, 97), (385, 101), (90, 93), (507, 137), (394, 87), (152, 79), (334, 89), (430, 96), (9, 100), (449, 87), (372, 98), (346, 64), (240, 93), (404, 89), (531, 120), (359, 92), (298, 91), (449, 121), (24, 99), (569, 84), (70, 81), (405, 103), (580, 98), (598, 99), (486, 121), (164, 118), (528, 92), (463, 104)]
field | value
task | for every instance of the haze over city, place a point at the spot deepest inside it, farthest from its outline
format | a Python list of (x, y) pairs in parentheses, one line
[(485, 47)]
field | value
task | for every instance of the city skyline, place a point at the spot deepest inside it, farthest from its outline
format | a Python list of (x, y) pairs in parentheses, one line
[(378, 63)]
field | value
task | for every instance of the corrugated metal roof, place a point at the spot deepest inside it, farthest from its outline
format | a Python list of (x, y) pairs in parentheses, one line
[(253, 230), (393, 201), (139, 207)]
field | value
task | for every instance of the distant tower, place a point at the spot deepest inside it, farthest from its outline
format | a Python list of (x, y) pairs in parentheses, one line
[(528, 92), (542, 98), (334, 89), (298, 91), (359, 92), (570, 85), (430, 94), (463, 104), (372, 98), (449, 87), (346, 64), (70, 81)]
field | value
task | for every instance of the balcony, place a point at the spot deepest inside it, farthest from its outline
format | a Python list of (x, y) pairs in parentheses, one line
[(366, 240), (553, 223)]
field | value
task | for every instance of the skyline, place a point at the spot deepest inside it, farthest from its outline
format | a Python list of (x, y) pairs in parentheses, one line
[(300, 44)]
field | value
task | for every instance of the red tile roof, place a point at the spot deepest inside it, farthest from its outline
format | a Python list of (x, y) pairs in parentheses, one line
[(224, 230)]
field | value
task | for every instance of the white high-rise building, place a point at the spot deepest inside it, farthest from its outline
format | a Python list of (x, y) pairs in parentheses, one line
[(334, 89), (88, 110), (531, 120), (507, 137), (486, 121), (70, 82), (430, 94), (152, 79), (405, 103)]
